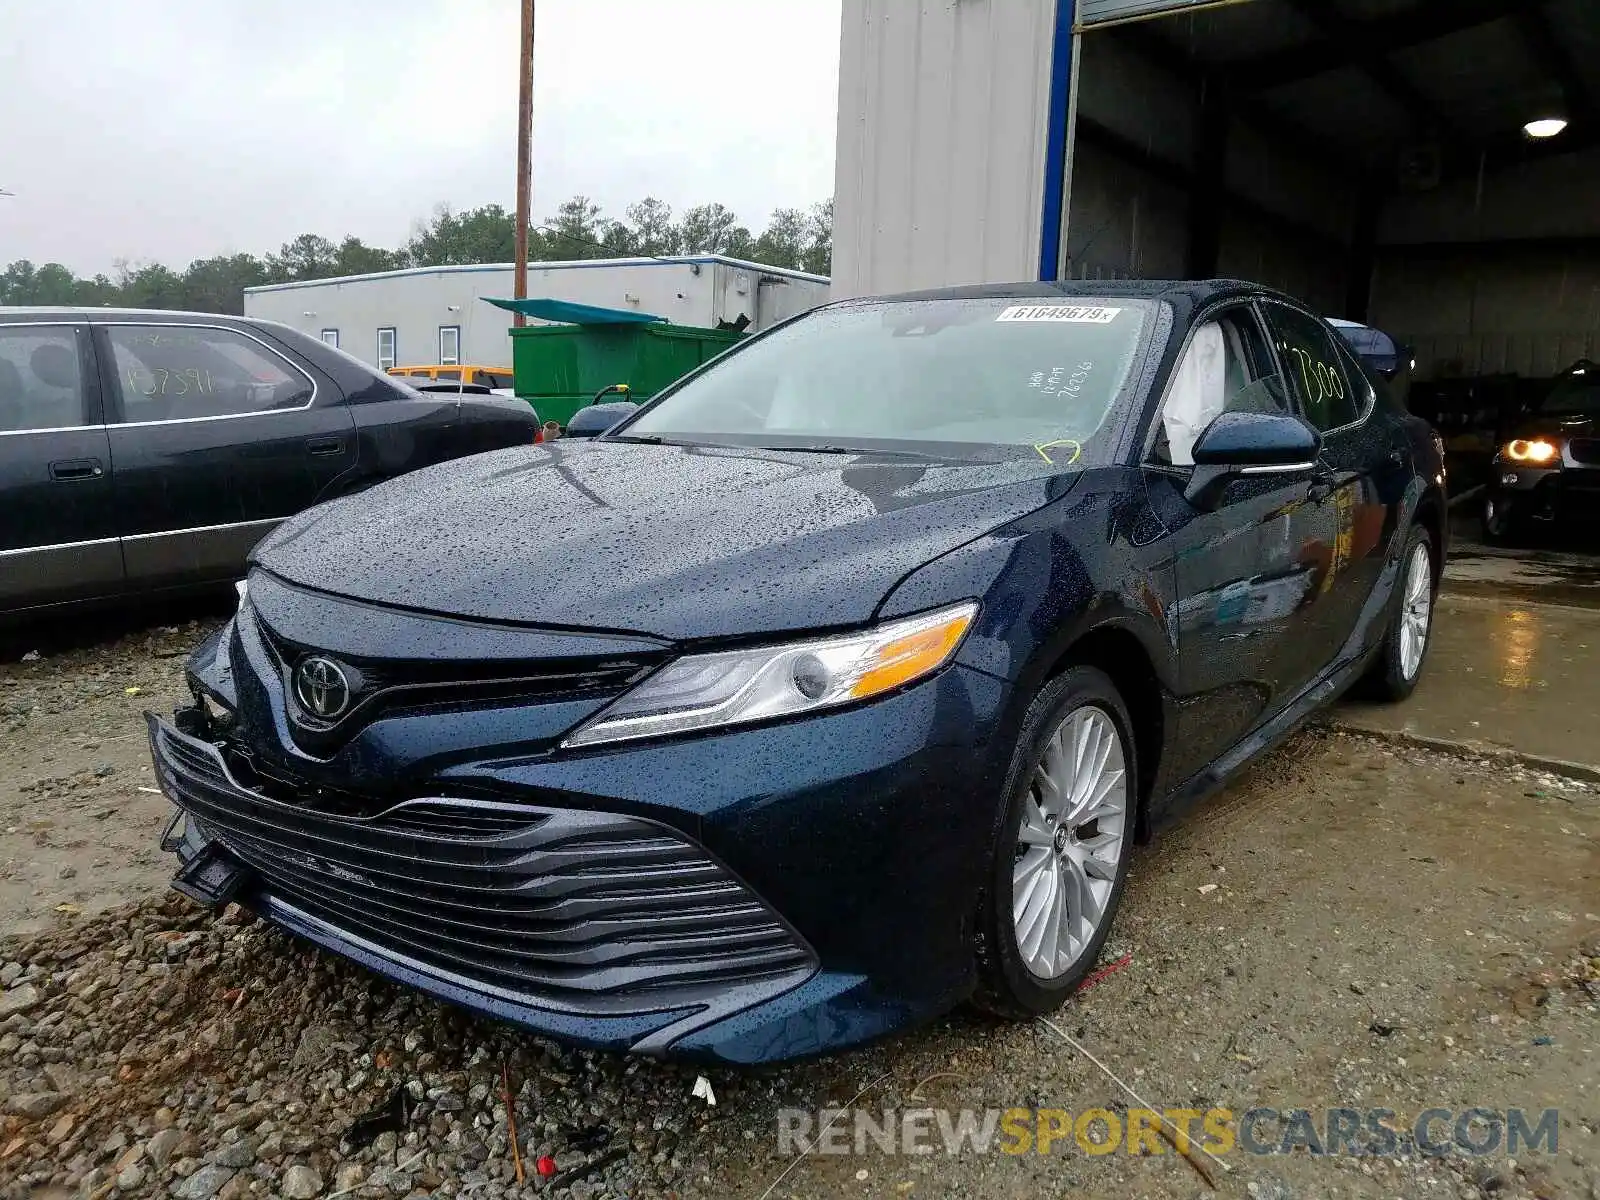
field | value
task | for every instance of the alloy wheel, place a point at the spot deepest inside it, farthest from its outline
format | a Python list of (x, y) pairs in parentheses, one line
[(1416, 612), (1071, 842)]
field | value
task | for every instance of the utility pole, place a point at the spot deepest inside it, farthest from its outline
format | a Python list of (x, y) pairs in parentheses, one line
[(524, 155)]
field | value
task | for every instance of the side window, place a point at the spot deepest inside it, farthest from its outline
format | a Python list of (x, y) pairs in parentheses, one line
[(41, 380), (176, 372), (452, 375), (1226, 368), (1315, 368)]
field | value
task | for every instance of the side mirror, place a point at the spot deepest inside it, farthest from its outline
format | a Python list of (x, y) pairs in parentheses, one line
[(597, 418), (1244, 444)]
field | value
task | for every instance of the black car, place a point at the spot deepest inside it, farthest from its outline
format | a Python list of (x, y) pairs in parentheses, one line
[(830, 688), (151, 450), (1548, 467)]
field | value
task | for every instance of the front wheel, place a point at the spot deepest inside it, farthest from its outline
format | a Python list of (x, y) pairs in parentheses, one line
[(1061, 853), (1499, 529), (1405, 645)]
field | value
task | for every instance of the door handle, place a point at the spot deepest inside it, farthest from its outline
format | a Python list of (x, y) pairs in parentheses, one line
[(323, 447), (68, 470)]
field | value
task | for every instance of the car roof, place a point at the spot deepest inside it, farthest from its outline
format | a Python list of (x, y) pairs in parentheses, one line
[(30, 311), (1196, 292)]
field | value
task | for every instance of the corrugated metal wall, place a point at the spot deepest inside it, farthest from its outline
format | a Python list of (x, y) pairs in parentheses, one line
[(1529, 311), (943, 107), (1454, 280), (943, 121)]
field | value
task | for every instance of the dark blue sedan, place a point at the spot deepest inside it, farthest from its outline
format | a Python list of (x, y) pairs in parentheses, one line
[(830, 689)]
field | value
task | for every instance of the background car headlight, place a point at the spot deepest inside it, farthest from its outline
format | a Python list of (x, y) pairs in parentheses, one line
[(703, 691), (1535, 451)]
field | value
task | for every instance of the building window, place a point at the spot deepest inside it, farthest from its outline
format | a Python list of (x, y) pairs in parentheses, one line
[(386, 357), (450, 344), (331, 336)]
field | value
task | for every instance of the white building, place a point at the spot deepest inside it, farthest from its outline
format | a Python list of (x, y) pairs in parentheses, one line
[(438, 314), (1368, 156)]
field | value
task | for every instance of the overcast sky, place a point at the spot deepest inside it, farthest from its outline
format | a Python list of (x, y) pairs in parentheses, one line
[(169, 130)]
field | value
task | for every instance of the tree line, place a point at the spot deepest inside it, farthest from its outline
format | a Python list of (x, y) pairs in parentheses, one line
[(797, 238)]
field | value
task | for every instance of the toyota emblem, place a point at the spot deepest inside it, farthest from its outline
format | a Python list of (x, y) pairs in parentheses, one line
[(322, 688)]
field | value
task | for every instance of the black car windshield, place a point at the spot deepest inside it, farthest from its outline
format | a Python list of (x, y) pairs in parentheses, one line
[(981, 378), (1575, 396)]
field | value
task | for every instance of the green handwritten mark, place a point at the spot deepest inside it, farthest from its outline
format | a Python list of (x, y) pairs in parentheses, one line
[(1321, 380), (1045, 448)]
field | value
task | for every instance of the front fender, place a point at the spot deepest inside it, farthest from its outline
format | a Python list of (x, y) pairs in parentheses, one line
[(1078, 569)]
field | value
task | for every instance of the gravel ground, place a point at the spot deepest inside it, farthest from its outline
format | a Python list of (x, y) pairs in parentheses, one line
[(1351, 923), (79, 812)]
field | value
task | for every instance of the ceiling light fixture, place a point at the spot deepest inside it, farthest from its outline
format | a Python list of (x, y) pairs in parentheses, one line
[(1545, 127)]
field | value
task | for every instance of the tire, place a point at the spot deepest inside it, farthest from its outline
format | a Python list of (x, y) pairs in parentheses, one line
[(1401, 659), (1499, 529), (1017, 976)]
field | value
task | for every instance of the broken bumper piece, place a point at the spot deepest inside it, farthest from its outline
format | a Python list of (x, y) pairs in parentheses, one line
[(596, 928)]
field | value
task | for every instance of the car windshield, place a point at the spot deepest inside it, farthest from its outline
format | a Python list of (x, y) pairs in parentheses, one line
[(1575, 396), (974, 378)]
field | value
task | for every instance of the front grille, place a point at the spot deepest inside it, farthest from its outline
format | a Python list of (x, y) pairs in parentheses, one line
[(1585, 450), (390, 686), (580, 911)]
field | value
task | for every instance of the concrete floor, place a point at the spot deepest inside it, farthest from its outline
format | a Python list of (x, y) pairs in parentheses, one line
[(1506, 674), (1514, 657)]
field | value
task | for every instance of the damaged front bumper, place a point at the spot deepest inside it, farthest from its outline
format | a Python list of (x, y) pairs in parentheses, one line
[(591, 927), (762, 894)]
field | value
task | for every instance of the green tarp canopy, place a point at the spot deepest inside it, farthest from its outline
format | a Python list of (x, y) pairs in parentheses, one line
[(574, 314)]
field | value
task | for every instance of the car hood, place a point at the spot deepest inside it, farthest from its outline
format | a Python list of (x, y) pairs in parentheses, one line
[(1552, 426), (680, 542)]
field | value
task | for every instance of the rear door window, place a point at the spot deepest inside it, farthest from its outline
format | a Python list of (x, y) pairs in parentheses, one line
[(41, 378), (183, 372), (1315, 368)]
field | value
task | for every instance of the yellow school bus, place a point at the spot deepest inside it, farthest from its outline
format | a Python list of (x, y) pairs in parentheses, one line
[(493, 377)]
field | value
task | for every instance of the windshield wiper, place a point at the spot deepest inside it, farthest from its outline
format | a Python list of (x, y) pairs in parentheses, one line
[(852, 450), (637, 439)]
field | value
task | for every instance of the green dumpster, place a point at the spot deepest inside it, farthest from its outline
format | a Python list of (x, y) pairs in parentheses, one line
[(559, 368)]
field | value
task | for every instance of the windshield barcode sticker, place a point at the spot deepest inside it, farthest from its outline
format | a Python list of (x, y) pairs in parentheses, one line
[(1072, 313)]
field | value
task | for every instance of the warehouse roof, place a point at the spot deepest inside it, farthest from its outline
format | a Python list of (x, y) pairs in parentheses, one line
[(566, 265), (1441, 87)]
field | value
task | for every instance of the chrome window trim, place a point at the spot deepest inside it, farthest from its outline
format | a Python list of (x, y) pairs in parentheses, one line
[(77, 324), (1279, 469), (134, 537), (266, 412), (1338, 345), (51, 429), (110, 541), (161, 533)]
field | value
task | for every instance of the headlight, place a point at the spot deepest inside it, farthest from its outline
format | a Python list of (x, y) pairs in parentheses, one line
[(704, 691), (1536, 451)]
